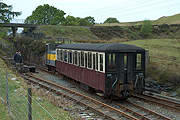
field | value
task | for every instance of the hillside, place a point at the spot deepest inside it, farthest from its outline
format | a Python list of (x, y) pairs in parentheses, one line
[(75, 33), (164, 57), (166, 27), (104, 33), (174, 19), (164, 63)]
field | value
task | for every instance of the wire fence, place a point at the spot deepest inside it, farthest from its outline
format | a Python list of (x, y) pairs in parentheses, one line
[(18, 98)]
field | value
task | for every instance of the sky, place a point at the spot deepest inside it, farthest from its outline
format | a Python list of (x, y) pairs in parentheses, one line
[(123, 10)]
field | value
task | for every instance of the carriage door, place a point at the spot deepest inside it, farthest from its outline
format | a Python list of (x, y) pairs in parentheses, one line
[(125, 65)]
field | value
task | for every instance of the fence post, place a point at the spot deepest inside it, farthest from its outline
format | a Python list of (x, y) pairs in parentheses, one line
[(7, 101), (7, 91), (29, 104), (0, 87)]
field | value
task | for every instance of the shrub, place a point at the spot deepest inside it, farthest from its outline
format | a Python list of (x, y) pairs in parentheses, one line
[(31, 49), (146, 28)]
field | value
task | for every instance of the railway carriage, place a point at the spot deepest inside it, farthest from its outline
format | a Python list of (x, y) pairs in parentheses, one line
[(50, 56), (114, 69)]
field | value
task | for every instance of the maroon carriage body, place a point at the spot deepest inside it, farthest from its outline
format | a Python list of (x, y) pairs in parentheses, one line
[(115, 69), (89, 77)]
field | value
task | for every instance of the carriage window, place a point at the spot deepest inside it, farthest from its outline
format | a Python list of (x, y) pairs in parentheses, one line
[(70, 57), (89, 60), (65, 56), (101, 62), (78, 54), (57, 51), (86, 60), (125, 60), (82, 58), (94, 61), (61, 55), (111, 62), (138, 62), (57, 54), (75, 57), (97, 61)]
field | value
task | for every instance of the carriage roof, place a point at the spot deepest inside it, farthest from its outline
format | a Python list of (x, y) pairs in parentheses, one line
[(105, 47)]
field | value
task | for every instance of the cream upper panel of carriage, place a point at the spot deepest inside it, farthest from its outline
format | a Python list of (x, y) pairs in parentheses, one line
[(87, 59)]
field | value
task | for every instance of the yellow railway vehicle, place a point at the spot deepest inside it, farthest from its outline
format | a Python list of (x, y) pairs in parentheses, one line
[(50, 56)]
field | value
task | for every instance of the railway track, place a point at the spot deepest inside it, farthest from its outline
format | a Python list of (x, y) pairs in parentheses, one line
[(165, 102), (101, 108), (145, 113), (135, 111), (160, 101)]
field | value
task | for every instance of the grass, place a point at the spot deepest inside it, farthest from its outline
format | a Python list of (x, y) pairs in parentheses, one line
[(6, 45), (174, 19), (18, 100), (164, 58), (118, 24), (74, 33), (3, 112), (167, 50)]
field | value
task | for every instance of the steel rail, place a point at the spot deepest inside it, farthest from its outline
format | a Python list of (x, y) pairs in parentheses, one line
[(157, 101), (136, 113), (142, 117), (150, 111), (175, 104), (81, 95)]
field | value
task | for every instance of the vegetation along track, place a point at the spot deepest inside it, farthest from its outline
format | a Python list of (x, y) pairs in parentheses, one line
[(93, 104), (160, 101), (135, 110)]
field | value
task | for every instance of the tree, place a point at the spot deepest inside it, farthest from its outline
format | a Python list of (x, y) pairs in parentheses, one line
[(90, 20), (71, 21), (46, 15), (146, 28), (87, 21), (3, 32), (83, 22), (111, 20), (6, 13)]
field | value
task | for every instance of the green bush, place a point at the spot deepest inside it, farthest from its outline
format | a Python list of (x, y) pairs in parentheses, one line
[(146, 29), (31, 49), (3, 32)]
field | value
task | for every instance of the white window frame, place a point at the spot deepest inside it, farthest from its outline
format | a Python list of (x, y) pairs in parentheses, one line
[(88, 60), (62, 55), (57, 54), (101, 53), (77, 57), (78, 60), (94, 53), (58, 57), (72, 57), (84, 59), (70, 51), (97, 61), (65, 50)]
